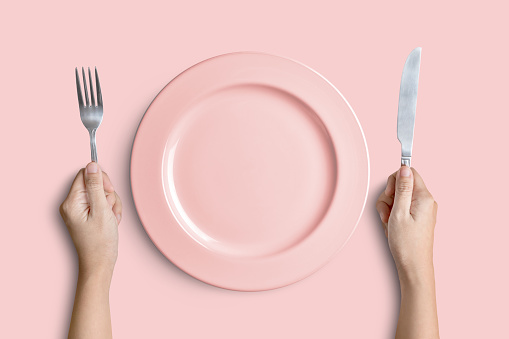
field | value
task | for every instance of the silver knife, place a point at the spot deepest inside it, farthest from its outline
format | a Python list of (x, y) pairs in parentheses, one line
[(408, 104)]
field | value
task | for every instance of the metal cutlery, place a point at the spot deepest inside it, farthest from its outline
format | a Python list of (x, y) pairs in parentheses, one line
[(91, 112), (408, 104)]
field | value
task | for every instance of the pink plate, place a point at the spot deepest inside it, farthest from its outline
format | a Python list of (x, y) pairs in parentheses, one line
[(249, 171)]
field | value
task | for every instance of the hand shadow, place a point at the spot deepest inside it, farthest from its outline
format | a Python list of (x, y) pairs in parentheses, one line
[(387, 255), (66, 239)]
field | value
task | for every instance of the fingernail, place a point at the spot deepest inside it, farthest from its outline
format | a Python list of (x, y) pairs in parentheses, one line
[(381, 215), (92, 167), (405, 171), (119, 217)]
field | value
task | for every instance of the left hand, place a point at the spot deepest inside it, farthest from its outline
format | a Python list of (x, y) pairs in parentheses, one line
[(92, 212)]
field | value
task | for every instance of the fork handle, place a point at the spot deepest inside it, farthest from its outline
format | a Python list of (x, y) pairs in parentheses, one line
[(93, 147)]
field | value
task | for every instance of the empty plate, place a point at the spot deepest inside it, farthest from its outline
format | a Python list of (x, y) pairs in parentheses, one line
[(249, 171)]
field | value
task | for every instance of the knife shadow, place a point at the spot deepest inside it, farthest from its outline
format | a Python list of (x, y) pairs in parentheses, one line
[(386, 254)]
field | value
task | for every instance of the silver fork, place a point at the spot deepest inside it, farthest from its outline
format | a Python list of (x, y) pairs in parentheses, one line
[(91, 115)]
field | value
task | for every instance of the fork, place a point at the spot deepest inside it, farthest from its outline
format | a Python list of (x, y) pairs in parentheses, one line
[(91, 114)]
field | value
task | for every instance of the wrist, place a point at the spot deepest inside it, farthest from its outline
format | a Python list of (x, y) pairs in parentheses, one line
[(97, 272), (417, 275)]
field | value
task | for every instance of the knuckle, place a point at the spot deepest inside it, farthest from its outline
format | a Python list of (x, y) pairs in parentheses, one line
[(428, 198), (119, 201), (398, 215), (93, 183), (405, 186), (397, 218), (65, 206)]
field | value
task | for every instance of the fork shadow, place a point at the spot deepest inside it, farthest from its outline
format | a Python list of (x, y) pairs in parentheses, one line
[(386, 253)]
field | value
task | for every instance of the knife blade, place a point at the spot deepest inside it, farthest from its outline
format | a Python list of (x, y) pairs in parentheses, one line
[(408, 104)]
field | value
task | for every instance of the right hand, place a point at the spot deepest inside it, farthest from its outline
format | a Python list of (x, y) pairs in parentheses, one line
[(408, 213)]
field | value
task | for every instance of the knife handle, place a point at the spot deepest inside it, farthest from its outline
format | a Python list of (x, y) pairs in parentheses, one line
[(406, 161)]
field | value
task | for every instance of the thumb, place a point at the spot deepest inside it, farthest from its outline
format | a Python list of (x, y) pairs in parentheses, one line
[(404, 190), (94, 187)]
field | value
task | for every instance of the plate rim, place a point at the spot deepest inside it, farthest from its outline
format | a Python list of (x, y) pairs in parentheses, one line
[(365, 148)]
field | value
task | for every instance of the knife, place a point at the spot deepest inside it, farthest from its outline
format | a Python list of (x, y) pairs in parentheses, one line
[(408, 104)]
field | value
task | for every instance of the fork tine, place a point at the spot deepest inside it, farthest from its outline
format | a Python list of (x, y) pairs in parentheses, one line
[(85, 86), (92, 98), (98, 87), (78, 87)]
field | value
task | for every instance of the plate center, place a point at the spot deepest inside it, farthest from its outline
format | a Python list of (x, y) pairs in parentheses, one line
[(252, 171)]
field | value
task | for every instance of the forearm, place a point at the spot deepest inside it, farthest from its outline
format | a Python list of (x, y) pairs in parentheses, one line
[(418, 312), (91, 312)]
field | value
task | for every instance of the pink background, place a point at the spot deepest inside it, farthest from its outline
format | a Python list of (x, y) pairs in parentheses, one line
[(460, 149)]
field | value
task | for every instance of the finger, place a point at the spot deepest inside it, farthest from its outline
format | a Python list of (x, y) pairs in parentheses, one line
[(403, 192), (420, 188), (78, 184), (111, 198), (108, 189), (117, 208), (383, 206), (108, 186), (94, 187), (388, 199), (384, 211), (391, 185)]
